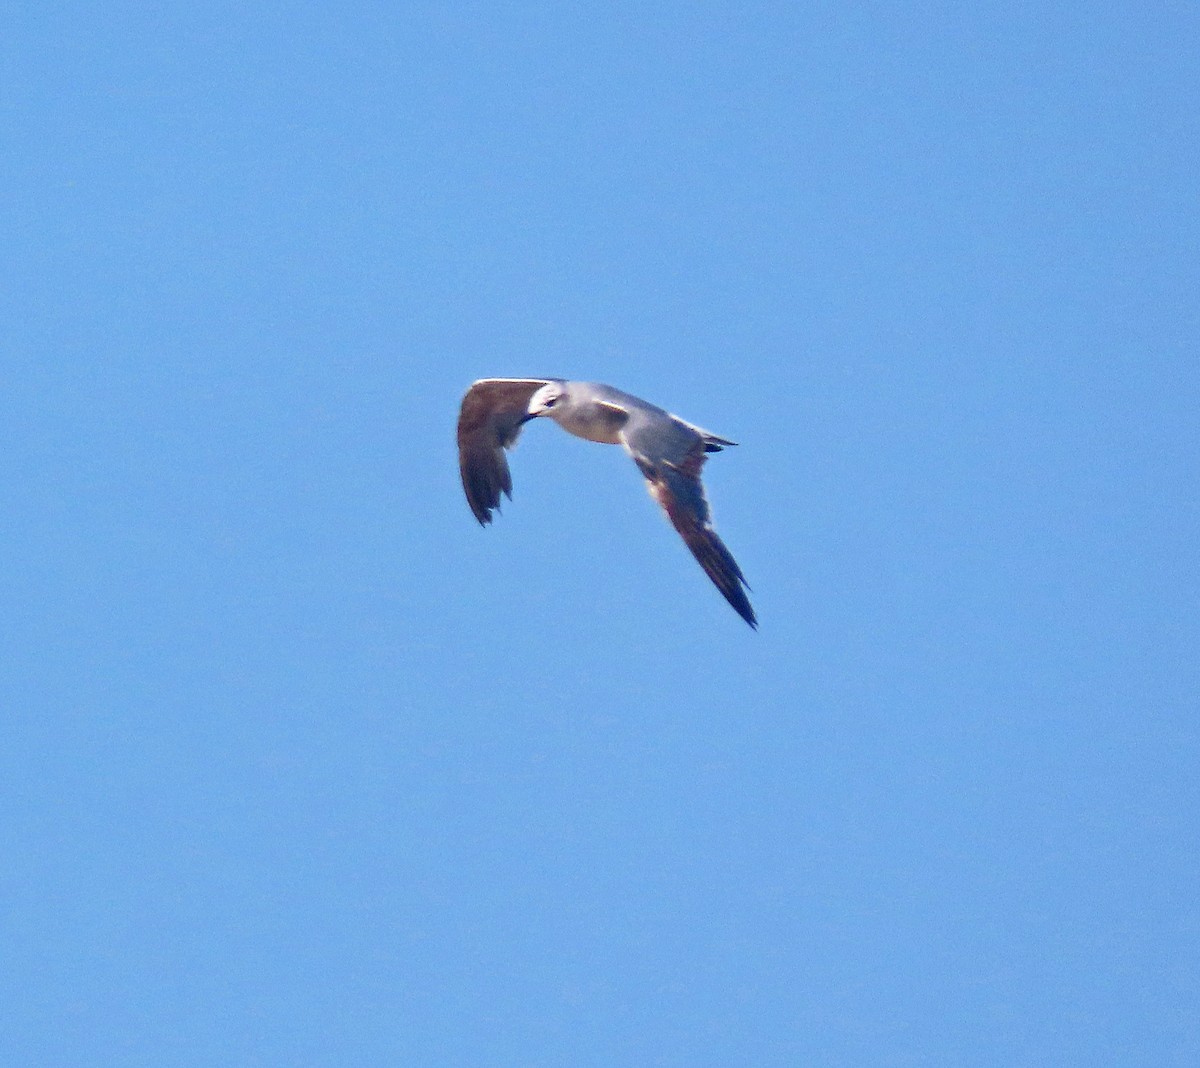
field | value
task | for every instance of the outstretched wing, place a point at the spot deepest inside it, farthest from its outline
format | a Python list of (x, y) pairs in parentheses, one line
[(671, 463), (488, 423)]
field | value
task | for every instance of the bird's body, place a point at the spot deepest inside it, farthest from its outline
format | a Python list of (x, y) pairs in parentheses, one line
[(669, 452)]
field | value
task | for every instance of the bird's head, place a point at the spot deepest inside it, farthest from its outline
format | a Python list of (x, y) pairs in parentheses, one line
[(544, 401)]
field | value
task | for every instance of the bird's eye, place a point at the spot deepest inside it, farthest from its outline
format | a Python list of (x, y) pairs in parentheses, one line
[(551, 401)]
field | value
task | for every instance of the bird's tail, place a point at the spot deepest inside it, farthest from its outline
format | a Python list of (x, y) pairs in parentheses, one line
[(712, 443)]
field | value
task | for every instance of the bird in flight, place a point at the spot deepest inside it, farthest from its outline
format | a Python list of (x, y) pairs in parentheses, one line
[(668, 451)]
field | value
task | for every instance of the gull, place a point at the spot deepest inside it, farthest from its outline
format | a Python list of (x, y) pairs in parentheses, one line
[(668, 451)]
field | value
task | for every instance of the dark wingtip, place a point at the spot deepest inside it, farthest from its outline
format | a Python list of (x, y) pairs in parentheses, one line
[(741, 605), (484, 513), (720, 566)]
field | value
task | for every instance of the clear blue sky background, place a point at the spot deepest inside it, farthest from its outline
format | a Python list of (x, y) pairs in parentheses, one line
[(302, 767)]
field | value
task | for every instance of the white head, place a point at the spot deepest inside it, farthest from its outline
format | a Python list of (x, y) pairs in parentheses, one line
[(545, 400)]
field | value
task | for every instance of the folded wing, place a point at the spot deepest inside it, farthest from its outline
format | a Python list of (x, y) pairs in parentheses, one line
[(488, 423)]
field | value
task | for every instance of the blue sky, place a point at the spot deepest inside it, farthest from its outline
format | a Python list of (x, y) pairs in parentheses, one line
[(301, 767)]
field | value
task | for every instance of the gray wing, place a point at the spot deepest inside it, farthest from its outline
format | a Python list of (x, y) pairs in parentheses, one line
[(488, 423), (671, 457)]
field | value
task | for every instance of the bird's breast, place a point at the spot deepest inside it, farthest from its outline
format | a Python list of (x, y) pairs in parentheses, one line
[(595, 422)]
